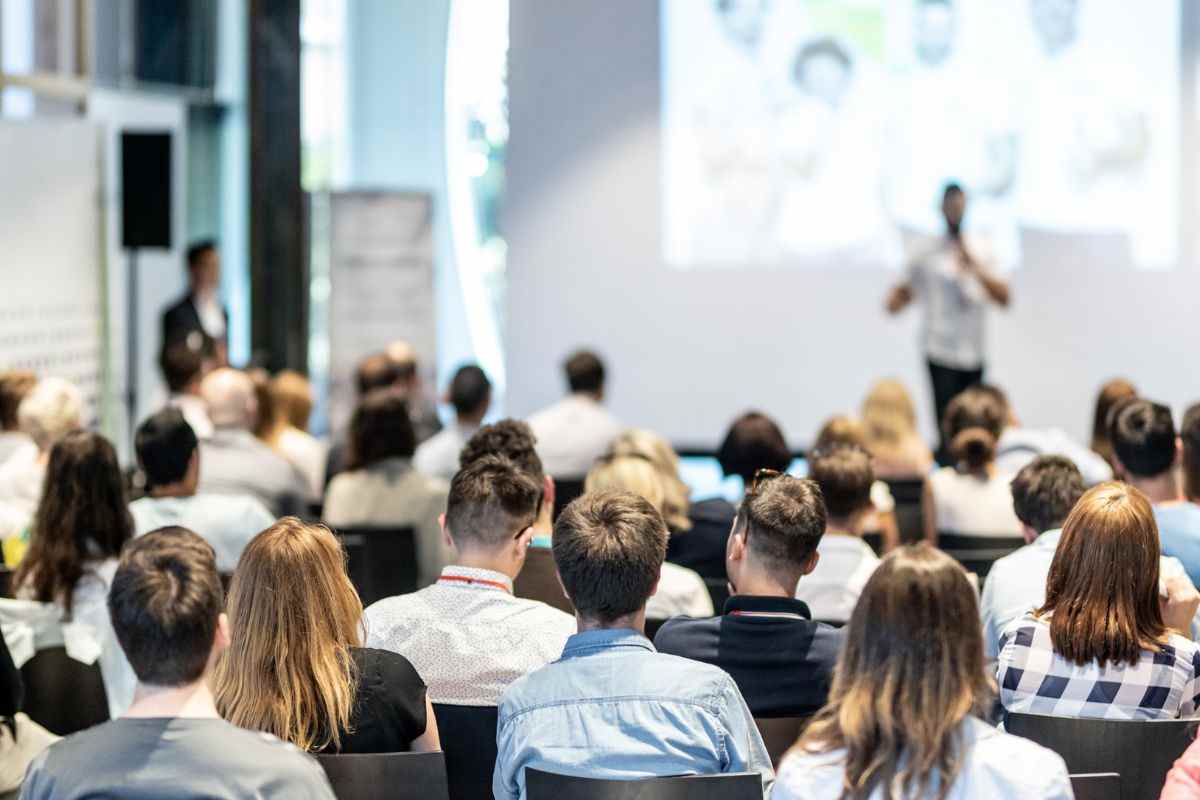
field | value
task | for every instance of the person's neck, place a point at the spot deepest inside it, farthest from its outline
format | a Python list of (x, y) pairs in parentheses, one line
[(762, 584), (845, 527), (194, 701), (178, 489), (635, 621), (493, 562), (595, 397), (1162, 488), (469, 421)]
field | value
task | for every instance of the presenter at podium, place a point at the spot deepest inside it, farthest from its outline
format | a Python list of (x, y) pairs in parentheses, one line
[(954, 279), (198, 319)]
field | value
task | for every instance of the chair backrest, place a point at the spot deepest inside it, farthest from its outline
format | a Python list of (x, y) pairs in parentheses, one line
[(538, 580), (382, 562), (1140, 752), (978, 553), (405, 776), (874, 541), (652, 626), (552, 786), (468, 735), (566, 490), (1097, 786), (779, 734), (908, 496), (718, 590), (61, 694)]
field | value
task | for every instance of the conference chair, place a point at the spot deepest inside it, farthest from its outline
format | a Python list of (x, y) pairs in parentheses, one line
[(381, 562), (652, 626), (1097, 786), (468, 735), (874, 541), (552, 786), (779, 734), (398, 776), (1140, 752), (6, 576), (978, 553), (566, 490), (539, 581), (61, 694), (908, 495)]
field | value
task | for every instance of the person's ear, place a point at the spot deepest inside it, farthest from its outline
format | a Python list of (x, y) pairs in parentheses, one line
[(446, 538), (1178, 451), (810, 563), (1119, 471), (193, 468), (548, 493), (735, 548), (522, 543), (558, 578), (223, 637), (1029, 533)]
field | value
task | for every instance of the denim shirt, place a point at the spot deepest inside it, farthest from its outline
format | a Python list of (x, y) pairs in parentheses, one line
[(614, 707)]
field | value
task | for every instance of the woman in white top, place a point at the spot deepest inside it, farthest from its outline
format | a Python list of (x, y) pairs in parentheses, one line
[(973, 497), (681, 591), (81, 524), (287, 434), (903, 713)]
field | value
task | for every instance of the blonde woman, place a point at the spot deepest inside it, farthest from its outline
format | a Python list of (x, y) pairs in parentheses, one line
[(291, 406), (903, 717), (295, 668), (889, 422), (680, 590)]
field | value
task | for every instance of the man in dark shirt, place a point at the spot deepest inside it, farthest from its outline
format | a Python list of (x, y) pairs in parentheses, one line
[(766, 640)]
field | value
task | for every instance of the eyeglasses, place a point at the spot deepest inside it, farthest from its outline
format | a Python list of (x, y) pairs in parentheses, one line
[(761, 477)]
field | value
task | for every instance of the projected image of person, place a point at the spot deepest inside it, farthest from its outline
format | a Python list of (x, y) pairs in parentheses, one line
[(934, 23)]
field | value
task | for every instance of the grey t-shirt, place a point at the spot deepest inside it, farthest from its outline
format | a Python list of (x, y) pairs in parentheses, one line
[(173, 759)]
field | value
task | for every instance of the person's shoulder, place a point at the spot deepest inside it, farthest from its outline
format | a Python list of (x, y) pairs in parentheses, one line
[(804, 774), (683, 635), (993, 751), (385, 668)]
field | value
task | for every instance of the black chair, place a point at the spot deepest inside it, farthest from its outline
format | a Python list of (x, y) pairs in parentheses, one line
[(539, 581), (908, 495), (6, 576), (779, 734), (61, 694), (381, 562), (874, 541), (652, 626), (978, 553), (468, 735), (718, 590), (401, 776), (552, 786), (566, 490), (1140, 752), (1098, 786)]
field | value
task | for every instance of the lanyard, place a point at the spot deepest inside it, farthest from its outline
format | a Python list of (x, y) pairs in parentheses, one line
[(474, 581), (775, 614)]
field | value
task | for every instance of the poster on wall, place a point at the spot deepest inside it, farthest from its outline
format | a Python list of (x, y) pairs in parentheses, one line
[(381, 275)]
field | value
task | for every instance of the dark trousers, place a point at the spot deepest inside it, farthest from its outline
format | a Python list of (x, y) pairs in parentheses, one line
[(947, 382)]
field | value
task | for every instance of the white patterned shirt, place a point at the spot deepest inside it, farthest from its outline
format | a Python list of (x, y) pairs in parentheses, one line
[(467, 636)]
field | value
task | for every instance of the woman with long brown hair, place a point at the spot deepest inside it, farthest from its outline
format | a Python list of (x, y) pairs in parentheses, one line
[(295, 667), (902, 719), (1112, 394), (1106, 642)]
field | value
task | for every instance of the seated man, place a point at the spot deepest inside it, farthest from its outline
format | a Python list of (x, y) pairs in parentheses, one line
[(168, 454), (467, 635), (578, 429), (165, 604), (470, 393), (1019, 445), (183, 369), (514, 440), (612, 706), (780, 659)]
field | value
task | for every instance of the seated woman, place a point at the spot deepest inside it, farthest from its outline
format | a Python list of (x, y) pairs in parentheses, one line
[(1105, 643), (295, 667), (903, 717), (1111, 395), (81, 524), (972, 498), (680, 590), (890, 428), (287, 431), (381, 488)]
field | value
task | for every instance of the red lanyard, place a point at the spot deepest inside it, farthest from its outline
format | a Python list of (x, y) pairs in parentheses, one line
[(474, 581), (776, 614)]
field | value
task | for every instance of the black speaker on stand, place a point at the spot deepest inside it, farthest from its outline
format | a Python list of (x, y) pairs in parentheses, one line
[(145, 223)]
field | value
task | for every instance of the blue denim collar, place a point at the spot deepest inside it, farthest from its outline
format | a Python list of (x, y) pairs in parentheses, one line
[(593, 641)]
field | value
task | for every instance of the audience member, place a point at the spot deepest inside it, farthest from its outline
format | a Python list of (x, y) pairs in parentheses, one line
[(680, 590), (1104, 643), (1183, 781), (264, 403), (376, 371), (1112, 394), (15, 384), (841, 430), (1189, 437), (21, 739), (467, 635), (889, 421), (514, 440), (172, 745), (292, 606), (753, 442), (1148, 453), (421, 409), (971, 498), (1019, 445), (470, 394), (611, 706), (233, 461), (291, 406), (169, 457), (766, 640), (909, 693), (845, 562), (381, 488), (183, 370), (578, 429), (81, 524)]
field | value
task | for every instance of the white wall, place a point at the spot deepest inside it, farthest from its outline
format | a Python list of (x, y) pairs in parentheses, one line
[(689, 350)]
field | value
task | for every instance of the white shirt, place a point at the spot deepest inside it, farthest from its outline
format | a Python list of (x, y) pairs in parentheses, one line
[(953, 303), (973, 505), (306, 453), (845, 565), (21, 479), (212, 316), (995, 764), (1019, 446), (438, 455), (467, 636), (681, 592), (572, 434), (227, 522), (16, 443)]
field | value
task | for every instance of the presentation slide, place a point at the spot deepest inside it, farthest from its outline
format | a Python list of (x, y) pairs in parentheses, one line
[(819, 133)]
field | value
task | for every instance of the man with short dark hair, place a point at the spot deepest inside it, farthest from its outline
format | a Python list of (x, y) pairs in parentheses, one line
[(169, 457), (611, 706), (166, 608), (183, 369), (470, 394), (467, 635), (514, 440), (780, 659), (578, 429), (198, 320), (1019, 445)]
